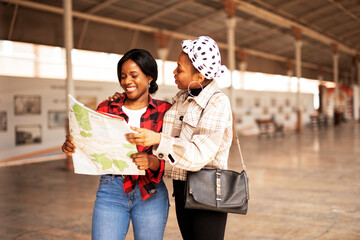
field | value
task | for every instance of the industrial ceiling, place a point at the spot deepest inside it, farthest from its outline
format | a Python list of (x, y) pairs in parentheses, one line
[(265, 30)]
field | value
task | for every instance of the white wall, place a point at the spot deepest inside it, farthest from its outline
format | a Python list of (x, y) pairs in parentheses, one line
[(252, 105), (52, 93)]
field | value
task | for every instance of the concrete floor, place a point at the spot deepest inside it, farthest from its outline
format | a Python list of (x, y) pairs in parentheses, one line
[(302, 187)]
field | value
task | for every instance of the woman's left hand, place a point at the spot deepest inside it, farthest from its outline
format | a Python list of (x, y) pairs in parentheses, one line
[(144, 137), (144, 161)]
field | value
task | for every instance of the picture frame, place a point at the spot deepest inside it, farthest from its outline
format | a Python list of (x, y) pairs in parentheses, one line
[(3, 121), (28, 134), (27, 104), (257, 102), (273, 102), (57, 119), (287, 102), (239, 102)]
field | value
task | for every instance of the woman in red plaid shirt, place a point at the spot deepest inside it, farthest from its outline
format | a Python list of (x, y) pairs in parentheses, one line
[(141, 199)]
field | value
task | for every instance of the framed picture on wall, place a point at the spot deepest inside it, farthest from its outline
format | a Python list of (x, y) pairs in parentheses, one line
[(280, 109), (27, 134), (248, 111), (239, 102), (287, 102), (27, 104), (239, 120), (3, 121), (57, 118), (257, 102), (88, 101), (273, 102)]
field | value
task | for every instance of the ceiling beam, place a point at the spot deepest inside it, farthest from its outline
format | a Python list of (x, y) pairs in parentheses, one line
[(12, 24), (254, 37), (93, 10), (163, 11), (287, 4), (347, 12), (101, 6), (288, 24), (200, 20), (350, 33), (317, 11), (148, 29), (266, 41)]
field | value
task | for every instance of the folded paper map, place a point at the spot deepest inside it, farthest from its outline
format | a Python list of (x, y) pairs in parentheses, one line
[(101, 147)]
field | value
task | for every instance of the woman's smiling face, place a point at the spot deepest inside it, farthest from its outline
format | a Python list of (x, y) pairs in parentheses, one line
[(134, 82)]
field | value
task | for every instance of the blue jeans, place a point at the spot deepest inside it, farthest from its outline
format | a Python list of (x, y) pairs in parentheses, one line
[(114, 208)]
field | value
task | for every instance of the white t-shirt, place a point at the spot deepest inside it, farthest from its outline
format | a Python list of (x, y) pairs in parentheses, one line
[(134, 116)]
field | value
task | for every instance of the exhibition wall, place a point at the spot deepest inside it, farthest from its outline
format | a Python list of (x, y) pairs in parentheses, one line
[(33, 115)]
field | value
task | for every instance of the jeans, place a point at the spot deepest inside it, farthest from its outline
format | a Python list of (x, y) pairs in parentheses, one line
[(114, 208)]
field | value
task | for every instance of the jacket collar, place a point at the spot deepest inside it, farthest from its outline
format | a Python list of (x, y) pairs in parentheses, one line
[(203, 98)]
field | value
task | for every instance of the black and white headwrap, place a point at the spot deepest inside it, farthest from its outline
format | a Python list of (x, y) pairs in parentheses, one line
[(205, 56)]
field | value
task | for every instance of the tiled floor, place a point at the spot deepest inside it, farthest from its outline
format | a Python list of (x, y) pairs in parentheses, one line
[(302, 187)]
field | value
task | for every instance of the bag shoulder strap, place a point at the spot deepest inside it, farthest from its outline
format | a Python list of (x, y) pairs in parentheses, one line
[(241, 156), (237, 138)]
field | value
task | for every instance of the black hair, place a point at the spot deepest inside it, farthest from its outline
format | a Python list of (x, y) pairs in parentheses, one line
[(145, 61)]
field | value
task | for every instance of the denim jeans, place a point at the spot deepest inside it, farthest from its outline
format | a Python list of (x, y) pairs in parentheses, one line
[(114, 209)]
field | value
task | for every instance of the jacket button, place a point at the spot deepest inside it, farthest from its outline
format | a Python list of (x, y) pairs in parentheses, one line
[(160, 155), (181, 118)]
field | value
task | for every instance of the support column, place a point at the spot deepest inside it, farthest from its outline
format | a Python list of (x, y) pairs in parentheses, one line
[(242, 65), (68, 42), (298, 44), (12, 25), (337, 113), (358, 82), (290, 72), (231, 24), (162, 51), (322, 93), (355, 91)]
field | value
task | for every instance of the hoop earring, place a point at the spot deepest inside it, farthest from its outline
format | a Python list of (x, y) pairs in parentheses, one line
[(188, 88)]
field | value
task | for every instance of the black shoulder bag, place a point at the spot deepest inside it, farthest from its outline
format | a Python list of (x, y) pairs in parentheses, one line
[(218, 189)]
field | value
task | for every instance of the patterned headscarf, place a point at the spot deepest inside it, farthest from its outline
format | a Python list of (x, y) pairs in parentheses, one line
[(205, 56)]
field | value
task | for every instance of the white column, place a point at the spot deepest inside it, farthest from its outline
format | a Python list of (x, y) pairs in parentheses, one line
[(290, 74), (357, 110), (358, 71), (163, 54), (356, 98), (336, 79), (298, 45), (242, 66), (231, 23), (322, 93), (68, 40)]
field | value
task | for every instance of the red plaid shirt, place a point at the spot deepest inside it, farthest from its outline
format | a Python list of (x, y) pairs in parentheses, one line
[(152, 119)]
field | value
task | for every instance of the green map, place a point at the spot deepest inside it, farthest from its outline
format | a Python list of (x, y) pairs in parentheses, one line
[(82, 117), (101, 146)]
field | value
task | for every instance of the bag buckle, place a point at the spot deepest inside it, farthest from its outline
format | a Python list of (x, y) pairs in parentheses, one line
[(218, 185)]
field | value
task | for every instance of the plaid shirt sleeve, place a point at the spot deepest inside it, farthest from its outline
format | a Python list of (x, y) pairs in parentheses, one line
[(155, 176), (196, 150), (103, 106)]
